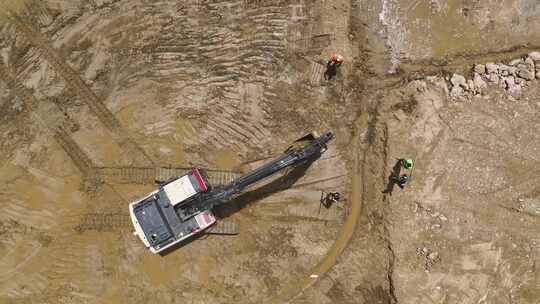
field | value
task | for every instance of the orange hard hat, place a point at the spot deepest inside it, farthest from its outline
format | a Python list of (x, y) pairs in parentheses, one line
[(336, 58)]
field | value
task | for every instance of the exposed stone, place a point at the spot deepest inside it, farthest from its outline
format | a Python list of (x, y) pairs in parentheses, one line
[(529, 62), (504, 70), (535, 56), (502, 83), (515, 62), (456, 91), (511, 86), (470, 85), (525, 71), (480, 69), (479, 83), (526, 74), (458, 80), (493, 78), (491, 68), (439, 82), (509, 81)]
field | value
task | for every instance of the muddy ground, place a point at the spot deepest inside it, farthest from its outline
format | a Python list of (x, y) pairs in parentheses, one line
[(99, 98)]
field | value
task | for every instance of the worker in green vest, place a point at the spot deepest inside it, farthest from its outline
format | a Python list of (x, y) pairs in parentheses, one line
[(407, 163)]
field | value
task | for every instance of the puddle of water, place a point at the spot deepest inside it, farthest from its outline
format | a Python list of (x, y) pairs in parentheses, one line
[(226, 159)]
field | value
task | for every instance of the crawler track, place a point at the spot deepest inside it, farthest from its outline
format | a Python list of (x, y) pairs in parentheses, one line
[(148, 175), (104, 222)]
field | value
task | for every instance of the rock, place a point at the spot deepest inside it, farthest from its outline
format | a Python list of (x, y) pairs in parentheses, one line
[(470, 85), (515, 62), (418, 85), (504, 70), (535, 56), (439, 82), (458, 80), (491, 68), (456, 92), (511, 86), (480, 69), (520, 81), (493, 78), (509, 81), (525, 72), (526, 69), (502, 83), (479, 83)]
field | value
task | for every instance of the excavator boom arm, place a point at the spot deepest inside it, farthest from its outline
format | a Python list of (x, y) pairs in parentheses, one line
[(291, 158)]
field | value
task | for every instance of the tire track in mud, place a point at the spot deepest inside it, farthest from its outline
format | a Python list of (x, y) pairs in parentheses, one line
[(76, 83), (236, 66), (104, 222), (39, 282), (61, 136)]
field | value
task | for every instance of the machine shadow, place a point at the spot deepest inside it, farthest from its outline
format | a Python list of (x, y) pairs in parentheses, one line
[(226, 210), (282, 183)]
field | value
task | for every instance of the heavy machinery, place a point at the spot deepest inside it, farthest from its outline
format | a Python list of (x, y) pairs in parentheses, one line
[(182, 207)]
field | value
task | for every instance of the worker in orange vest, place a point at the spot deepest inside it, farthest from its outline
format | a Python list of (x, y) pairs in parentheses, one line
[(331, 67), (336, 59)]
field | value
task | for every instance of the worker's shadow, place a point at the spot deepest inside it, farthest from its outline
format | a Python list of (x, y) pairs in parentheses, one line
[(282, 183), (394, 176)]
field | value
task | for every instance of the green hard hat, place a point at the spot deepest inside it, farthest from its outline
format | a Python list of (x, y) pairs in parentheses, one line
[(407, 163)]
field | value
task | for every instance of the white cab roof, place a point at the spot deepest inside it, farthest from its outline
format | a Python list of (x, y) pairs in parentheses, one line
[(179, 190)]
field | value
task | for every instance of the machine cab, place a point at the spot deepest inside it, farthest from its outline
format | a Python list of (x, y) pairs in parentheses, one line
[(156, 219)]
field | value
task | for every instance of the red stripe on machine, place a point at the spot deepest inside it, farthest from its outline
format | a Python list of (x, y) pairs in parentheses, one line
[(198, 178)]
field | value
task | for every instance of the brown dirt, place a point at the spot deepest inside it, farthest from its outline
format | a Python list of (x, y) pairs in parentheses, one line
[(100, 97)]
